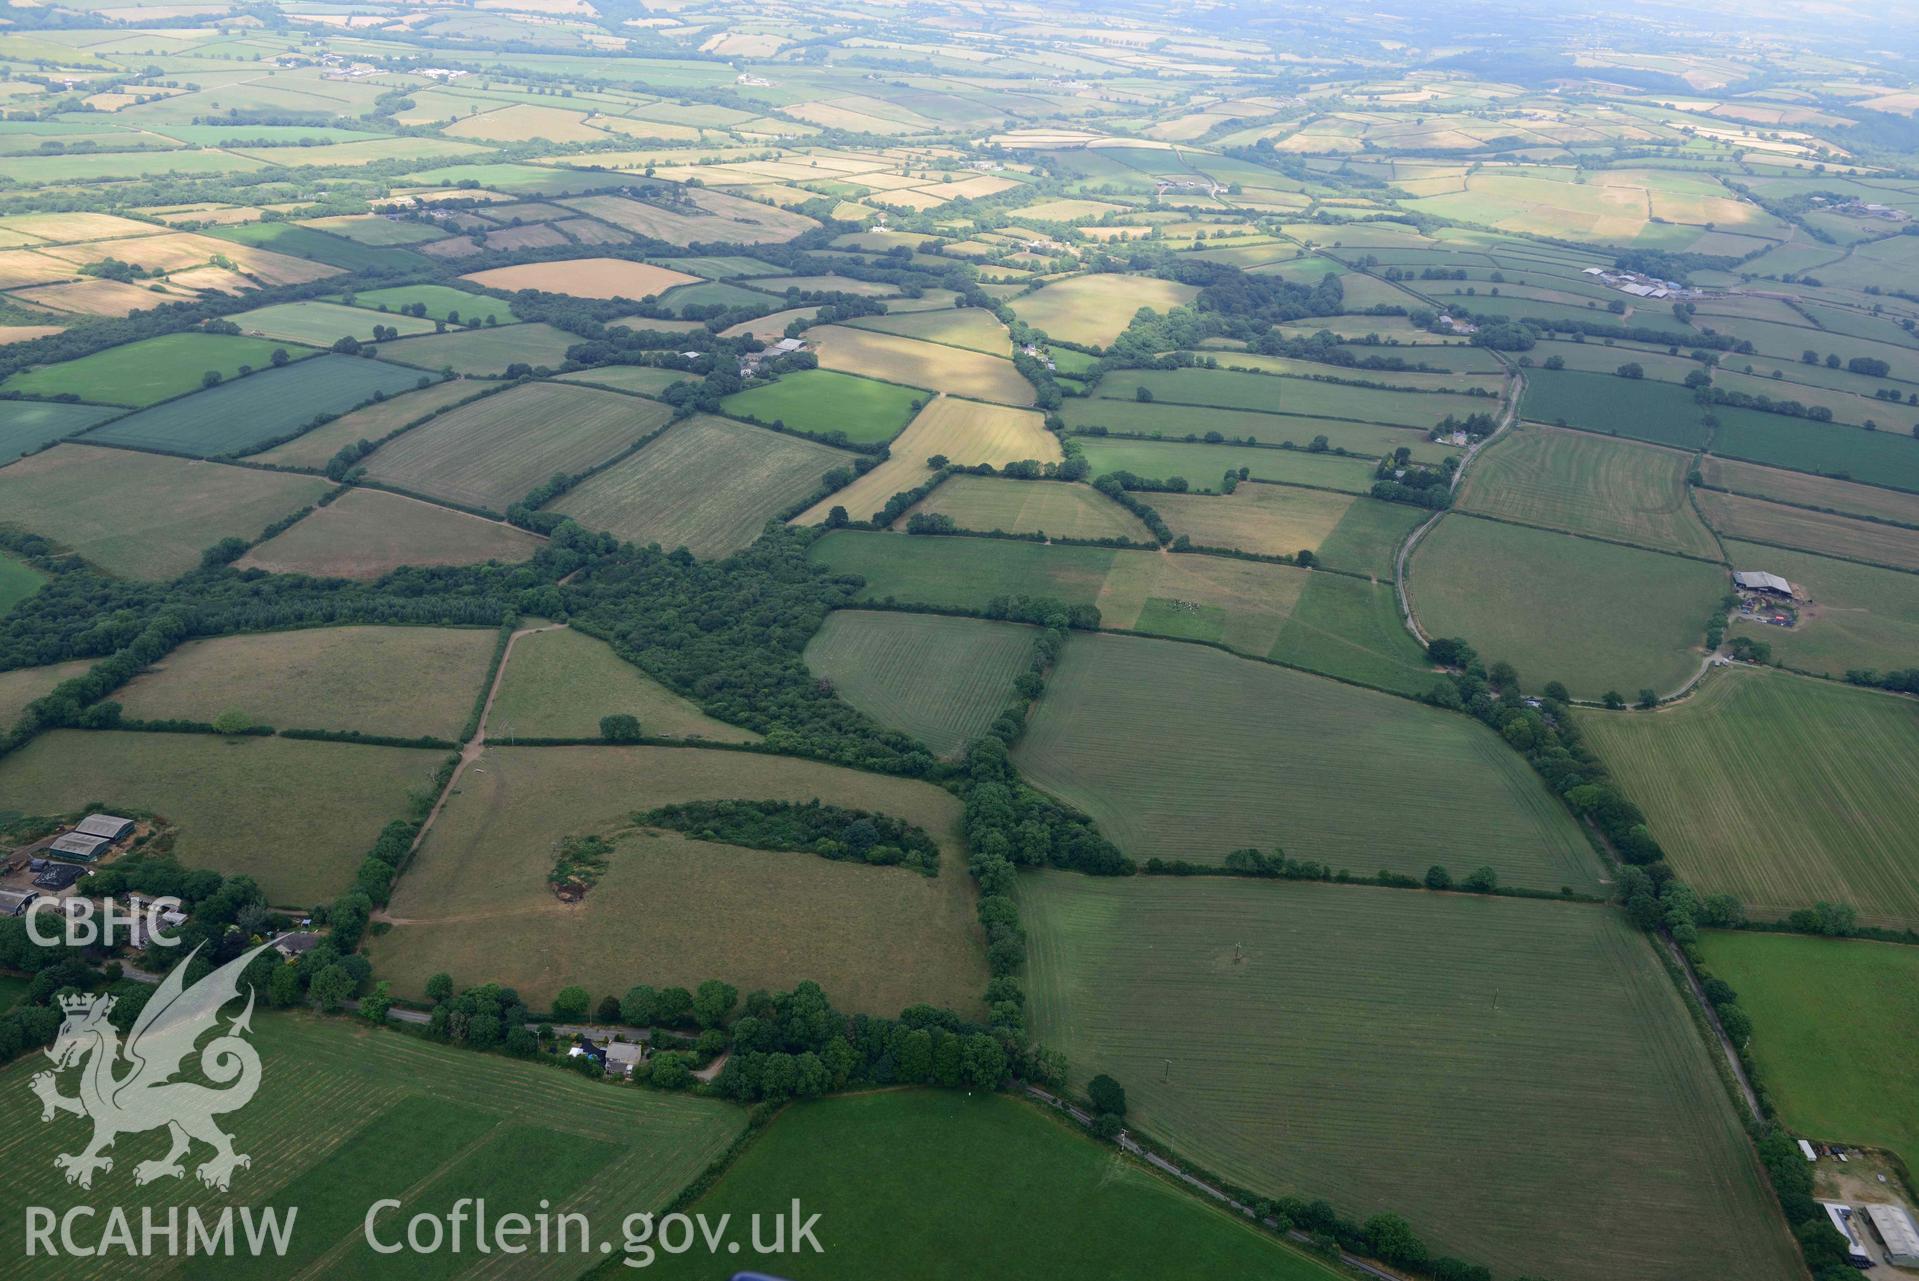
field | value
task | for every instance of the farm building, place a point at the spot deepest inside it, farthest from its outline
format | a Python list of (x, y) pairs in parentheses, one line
[(77, 848), (295, 946), (108, 827), (1895, 1228), (58, 876), (1760, 581), (16, 902), (622, 1057), (1841, 1217)]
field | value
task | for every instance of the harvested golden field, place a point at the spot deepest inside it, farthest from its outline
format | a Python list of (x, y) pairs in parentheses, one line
[(314, 448), (876, 938), (700, 215), (966, 431), (365, 533), (1092, 310), (585, 278), (934, 366), (1273, 520), (179, 250), (525, 122), (97, 297)]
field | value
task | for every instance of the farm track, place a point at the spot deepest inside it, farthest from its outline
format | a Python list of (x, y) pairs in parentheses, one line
[(1506, 421), (474, 747)]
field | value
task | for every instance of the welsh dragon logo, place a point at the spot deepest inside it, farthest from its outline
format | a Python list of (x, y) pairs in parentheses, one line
[(144, 1096)]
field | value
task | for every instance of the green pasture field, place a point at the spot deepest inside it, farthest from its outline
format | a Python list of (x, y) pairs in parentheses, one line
[(941, 679), (239, 417), (321, 324), (27, 425), (1486, 1024), (398, 682), (442, 303), (708, 484), (296, 815), (875, 938), (1599, 357), (721, 266), (1787, 343), (1639, 408), (1417, 380), (1825, 449), (18, 580), (1275, 394), (1779, 789), (1595, 616), (558, 683), (23, 685), (1835, 1032), (821, 402), (335, 251), (887, 1211), (1755, 520), (1092, 310), (717, 293), (989, 503), (366, 533), (1236, 603), (1250, 754), (1178, 422), (485, 351), (1852, 407), (1585, 483), (1852, 615), (314, 449), (1204, 465), (492, 453), (150, 370), (347, 1116), (1350, 627), (641, 380), (971, 327), (1366, 540), (99, 503), (1811, 491), (112, 166)]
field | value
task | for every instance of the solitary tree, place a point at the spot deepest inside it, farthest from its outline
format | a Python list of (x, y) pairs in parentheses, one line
[(1107, 1095), (232, 721), (571, 1003), (1614, 699), (1438, 878), (620, 728), (1648, 698)]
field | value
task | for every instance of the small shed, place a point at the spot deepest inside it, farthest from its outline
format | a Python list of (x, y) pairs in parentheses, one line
[(76, 848), (108, 827), (785, 345), (1895, 1228), (16, 902)]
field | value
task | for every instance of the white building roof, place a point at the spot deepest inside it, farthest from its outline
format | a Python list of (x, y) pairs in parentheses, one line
[(1759, 580), (1895, 1228), (108, 826)]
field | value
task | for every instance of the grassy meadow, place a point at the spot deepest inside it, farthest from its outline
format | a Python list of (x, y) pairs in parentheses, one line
[(1476, 1065), (492, 453), (708, 484), (346, 1116), (241, 416), (367, 533), (153, 369), (558, 683), (990, 503), (821, 402), (1204, 465), (886, 1211), (97, 503), (397, 682), (941, 679), (1835, 1032), (1778, 789), (297, 816), (28, 425), (1594, 615), (1754, 520), (1851, 615), (1588, 484), (1244, 754), (1660, 413)]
